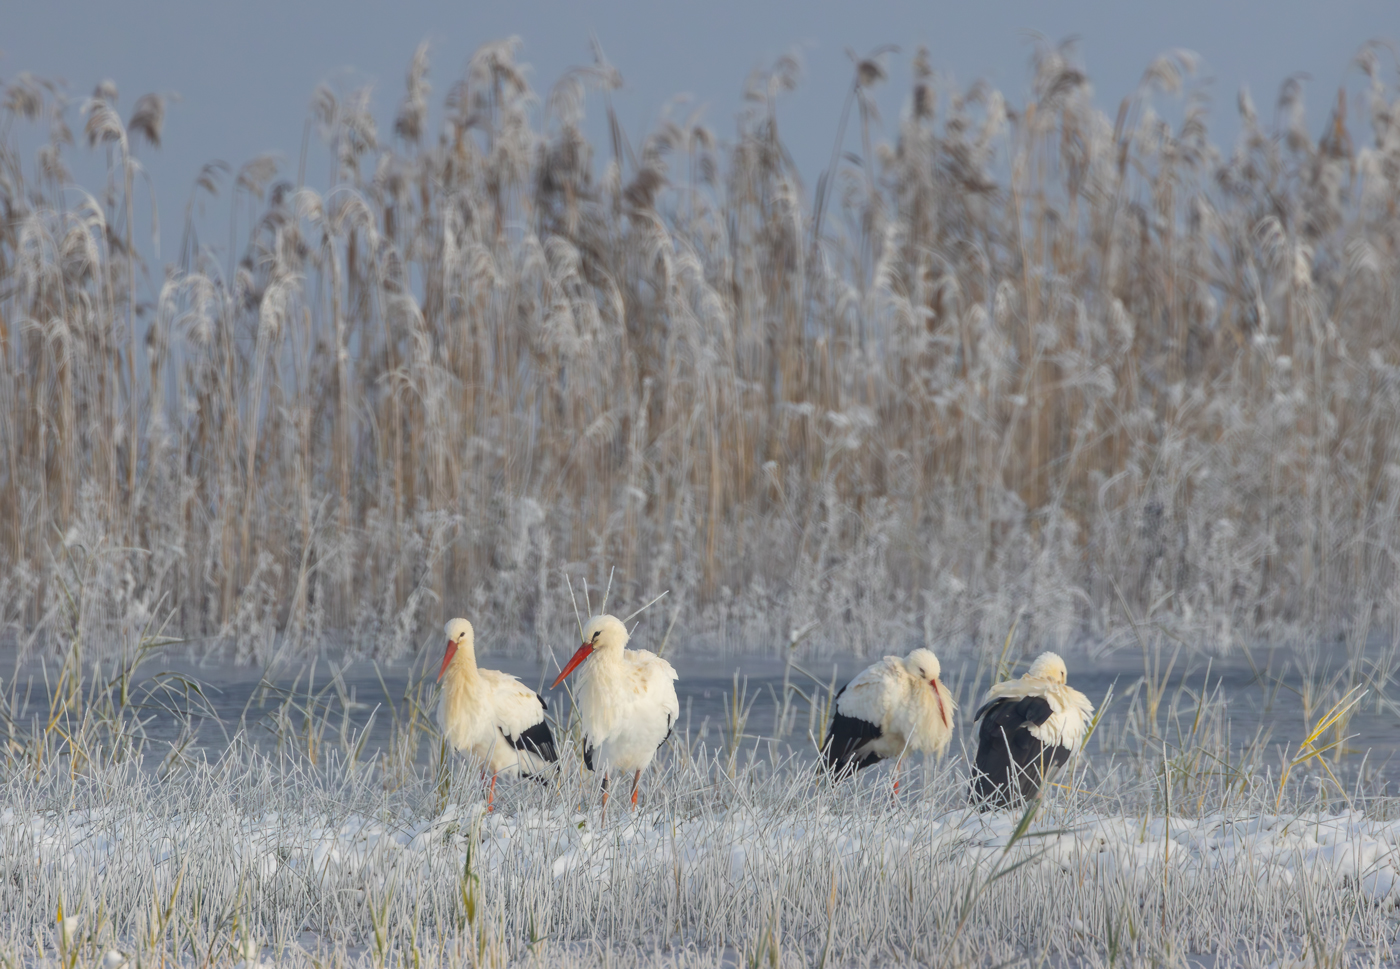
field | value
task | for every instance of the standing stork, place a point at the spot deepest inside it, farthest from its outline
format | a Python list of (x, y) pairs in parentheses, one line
[(491, 715), (626, 699), (893, 706), (1028, 725)]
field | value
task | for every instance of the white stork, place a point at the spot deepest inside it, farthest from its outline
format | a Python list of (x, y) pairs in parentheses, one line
[(491, 715), (1028, 725), (626, 700), (894, 706)]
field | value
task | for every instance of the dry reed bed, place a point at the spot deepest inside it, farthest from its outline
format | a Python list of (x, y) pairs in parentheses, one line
[(1011, 354)]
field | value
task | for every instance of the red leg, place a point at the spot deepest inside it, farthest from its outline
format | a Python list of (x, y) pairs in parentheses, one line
[(491, 796), (636, 779)]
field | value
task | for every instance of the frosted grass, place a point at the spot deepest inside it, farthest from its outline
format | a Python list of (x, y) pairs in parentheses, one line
[(326, 864), (740, 853), (1015, 373), (1011, 355)]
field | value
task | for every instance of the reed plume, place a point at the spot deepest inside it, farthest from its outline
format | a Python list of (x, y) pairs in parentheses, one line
[(1009, 354)]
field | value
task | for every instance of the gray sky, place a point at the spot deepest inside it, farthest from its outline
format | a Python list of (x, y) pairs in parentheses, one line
[(245, 71)]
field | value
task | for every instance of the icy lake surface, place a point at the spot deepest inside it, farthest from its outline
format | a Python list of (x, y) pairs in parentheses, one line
[(1280, 693)]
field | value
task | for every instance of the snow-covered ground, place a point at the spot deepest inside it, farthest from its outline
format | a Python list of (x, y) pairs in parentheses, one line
[(1349, 847), (769, 866)]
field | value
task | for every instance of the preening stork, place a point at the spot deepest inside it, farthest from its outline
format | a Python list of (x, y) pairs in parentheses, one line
[(490, 714), (892, 707), (1028, 725), (626, 700)]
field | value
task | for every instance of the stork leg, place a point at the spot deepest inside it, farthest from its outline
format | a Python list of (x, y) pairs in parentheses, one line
[(491, 795), (896, 776), (636, 779), (603, 811)]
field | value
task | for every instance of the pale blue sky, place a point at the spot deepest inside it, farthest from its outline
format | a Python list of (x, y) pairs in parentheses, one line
[(245, 71)]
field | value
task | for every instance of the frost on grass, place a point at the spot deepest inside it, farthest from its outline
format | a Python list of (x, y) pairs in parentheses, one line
[(769, 866), (1007, 353), (294, 840)]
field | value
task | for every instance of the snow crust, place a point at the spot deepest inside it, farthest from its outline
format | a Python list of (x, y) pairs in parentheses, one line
[(1359, 850)]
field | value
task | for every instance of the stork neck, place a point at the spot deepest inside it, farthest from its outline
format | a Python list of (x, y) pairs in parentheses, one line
[(462, 669), (604, 661)]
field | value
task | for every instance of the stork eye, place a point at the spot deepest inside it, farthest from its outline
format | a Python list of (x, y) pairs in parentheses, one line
[(595, 636)]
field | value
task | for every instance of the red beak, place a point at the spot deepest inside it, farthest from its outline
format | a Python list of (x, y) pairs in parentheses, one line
[(584, 651), (942, 711), (451, 652)]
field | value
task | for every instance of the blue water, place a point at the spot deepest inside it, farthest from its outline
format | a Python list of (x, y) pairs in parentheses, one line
[(1264, 697)]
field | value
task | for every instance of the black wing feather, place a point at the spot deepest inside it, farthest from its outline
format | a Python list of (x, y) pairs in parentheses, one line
[(845, 737), (538, 739), (1030, 709), (1010, 761)]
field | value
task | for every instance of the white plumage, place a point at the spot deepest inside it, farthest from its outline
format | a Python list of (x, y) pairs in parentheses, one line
[(1070, 710), (626, 700), (891, 707), (489, 714)]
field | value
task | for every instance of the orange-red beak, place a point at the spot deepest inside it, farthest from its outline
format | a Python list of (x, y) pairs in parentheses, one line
[(584, 651), (451, 652), (938, 695)]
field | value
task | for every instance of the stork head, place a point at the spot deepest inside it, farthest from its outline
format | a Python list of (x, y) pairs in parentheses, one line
[(602, 632), (923, 664), (1048, 667), (605, 632), (459, 633)]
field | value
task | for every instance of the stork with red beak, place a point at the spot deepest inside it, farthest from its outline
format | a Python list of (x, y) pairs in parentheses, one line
[(893, 707), (626, 700), (491, 715)]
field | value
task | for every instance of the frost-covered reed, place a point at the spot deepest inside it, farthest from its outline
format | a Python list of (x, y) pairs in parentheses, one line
[(1007, 352)]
